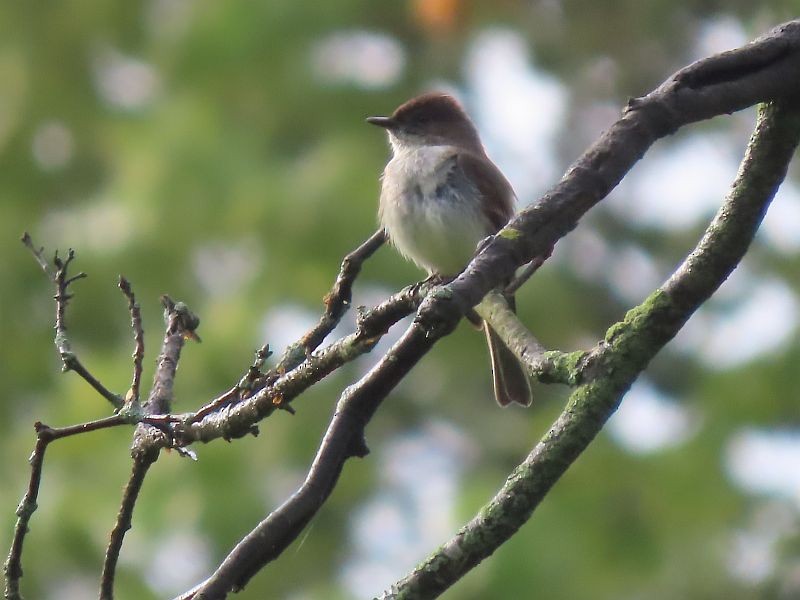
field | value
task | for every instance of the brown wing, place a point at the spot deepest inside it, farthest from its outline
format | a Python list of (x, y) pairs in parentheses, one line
[(491, 184)]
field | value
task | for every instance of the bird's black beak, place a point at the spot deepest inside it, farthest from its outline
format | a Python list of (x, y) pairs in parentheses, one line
[(385, 122)]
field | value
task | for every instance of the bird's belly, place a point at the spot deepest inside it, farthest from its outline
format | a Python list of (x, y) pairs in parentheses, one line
[(437, 227)]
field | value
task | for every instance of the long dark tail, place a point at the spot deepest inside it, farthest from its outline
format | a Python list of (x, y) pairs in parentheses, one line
[(509, 377)]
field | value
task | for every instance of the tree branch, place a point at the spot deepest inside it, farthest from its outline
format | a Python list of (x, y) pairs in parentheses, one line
[(62, 282), (627, 349), (337, 302), (150, 437), (548, 366), (138, 339), (763, 70), (532, 233), (44, 435), (237, 419)]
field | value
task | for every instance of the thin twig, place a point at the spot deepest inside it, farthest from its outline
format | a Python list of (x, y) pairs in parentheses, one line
[(138, 338), (247, 383), (337, 302), (525, 273), (44, 435), (62, 282), (236, 420), (244, 388), (38, 254)]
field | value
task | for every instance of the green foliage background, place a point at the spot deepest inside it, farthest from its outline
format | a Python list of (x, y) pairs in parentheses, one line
[(243, 145)]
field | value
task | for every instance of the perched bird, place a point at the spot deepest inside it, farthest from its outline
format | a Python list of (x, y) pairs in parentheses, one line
[(440, 196)]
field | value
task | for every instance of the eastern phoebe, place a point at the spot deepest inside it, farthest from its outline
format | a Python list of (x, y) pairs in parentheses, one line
[(440, 197)]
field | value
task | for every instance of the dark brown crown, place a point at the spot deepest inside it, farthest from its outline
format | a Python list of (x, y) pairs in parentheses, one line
[(434, 106)]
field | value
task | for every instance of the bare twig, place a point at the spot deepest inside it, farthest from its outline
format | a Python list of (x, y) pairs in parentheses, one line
[(248, 382), (525, 273), (44, 435), (38, 254), (62, 282), (138, 338), (337, 302), (153, 433), (252, 380), (238, 419)]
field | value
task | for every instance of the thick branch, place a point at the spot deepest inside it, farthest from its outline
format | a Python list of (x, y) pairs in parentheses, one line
[(676, 103), (344, 439), (763, 70), (626, 351)]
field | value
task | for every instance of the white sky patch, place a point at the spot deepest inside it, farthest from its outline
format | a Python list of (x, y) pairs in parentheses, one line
[(396, 528), (761, 461), (365, 59), (223, 268), (720, 33), (177, 562), (52, 145), (781, 226), (586, 252), (751, 557), (648, 420), (104, 226), (518, 109), (370, 295), (753, 550), (680, 185), (762, 320), (124, 82), (629, 271), (65, 586), (284, 324), (633, 273)]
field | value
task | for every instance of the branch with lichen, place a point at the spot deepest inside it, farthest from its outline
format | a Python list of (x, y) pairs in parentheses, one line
[(761, 71), (611, 367)]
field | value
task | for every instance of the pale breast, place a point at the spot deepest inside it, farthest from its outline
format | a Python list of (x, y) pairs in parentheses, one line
[(432, 220)]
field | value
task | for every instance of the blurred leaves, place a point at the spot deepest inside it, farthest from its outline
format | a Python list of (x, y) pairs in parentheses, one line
[(199, 149)]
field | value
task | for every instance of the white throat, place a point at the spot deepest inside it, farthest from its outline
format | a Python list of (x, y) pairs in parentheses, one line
[(432, 220)]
